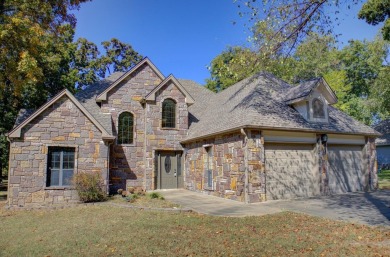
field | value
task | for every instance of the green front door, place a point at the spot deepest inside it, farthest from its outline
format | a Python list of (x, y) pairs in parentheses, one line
[(169, 170)]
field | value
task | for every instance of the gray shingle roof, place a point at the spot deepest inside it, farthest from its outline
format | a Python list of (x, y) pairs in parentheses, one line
[(201, 96), (87, 98), (23, 115), (258, 101), (301, 90), (384, 128)]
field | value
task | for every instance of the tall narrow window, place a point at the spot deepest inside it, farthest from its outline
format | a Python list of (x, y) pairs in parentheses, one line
[(209, 167), (126, 128), (318, 109), (168, 114), (60, 166)]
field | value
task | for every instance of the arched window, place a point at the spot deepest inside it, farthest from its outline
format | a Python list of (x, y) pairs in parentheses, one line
[(168, 114), (318, 109), (126, 128)]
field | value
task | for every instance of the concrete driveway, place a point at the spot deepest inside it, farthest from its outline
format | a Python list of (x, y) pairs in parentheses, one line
[(364, 208)]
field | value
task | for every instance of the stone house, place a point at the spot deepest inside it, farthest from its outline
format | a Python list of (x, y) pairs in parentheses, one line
[(383, 144), (259, 139)]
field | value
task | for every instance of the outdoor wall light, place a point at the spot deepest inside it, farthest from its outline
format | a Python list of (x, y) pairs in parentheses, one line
[(324, 138)]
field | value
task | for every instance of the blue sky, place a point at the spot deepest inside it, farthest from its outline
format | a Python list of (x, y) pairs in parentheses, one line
[(182, 36)]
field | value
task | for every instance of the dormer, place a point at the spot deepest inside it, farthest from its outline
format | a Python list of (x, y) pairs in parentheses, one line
[(311, 99)]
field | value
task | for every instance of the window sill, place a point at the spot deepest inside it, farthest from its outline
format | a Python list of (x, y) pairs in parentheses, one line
[(126, 145), (170, 129), (59, 188)]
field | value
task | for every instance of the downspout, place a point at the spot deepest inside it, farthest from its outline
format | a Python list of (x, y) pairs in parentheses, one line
[(145, 145), (245, 146), (9, 172), (109, 143)]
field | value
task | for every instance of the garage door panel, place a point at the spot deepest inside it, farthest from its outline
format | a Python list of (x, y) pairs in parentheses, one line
[(291, 171), (346, 172)]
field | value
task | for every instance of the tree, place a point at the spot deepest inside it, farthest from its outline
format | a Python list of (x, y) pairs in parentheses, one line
[(38, 57), (375, 12), (231, 66), (358, 73), (89, 65), (283, 25)]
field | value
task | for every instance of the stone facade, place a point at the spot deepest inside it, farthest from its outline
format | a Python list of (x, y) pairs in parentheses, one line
[(133, 165), (237, 154), (229, 164), (233, 155), (64, 125)]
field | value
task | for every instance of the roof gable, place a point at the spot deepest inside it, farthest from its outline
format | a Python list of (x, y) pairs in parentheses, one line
[(16, 132), (152, 94), (259, 102), (303, 90), (103, 95)]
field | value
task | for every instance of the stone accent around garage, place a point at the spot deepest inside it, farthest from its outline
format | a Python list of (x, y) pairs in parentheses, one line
[(63, 125), (232, 154)]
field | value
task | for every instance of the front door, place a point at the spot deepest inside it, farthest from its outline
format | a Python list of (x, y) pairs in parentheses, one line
[(169, 170)]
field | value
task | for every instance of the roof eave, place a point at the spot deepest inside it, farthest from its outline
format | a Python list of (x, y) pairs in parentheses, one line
[(275, 128), (151, 96), (16, 132)]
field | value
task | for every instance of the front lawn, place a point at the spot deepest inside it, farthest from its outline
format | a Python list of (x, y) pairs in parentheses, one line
[(103, 230), (384, 179)]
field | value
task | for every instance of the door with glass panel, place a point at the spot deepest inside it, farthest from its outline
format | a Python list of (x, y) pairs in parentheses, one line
[(169, 170)]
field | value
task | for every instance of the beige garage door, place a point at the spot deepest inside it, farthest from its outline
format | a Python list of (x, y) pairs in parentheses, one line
[(291, 171), (346, 172)]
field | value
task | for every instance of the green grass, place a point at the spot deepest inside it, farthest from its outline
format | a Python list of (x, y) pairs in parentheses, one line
[(113, 231), (384, 179)]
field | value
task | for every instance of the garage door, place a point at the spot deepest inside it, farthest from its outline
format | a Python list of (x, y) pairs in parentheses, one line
[(291, 171), (346, 172)]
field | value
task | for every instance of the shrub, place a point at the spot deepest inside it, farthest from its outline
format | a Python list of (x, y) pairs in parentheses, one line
[(89, 187), (155, 195), (131, 198)]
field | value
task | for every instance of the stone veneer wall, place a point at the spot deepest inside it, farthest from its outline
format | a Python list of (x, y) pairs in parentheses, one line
[(133, 165), (163, 139), (372, 163), (62, 124), (232, 154)]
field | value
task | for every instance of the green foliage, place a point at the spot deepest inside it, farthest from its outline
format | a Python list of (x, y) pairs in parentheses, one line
[(358, 73), (155, 195), (375, 12), (38, 58), (89, 186)]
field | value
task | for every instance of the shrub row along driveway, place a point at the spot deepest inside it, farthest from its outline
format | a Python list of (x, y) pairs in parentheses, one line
[(371, 208)]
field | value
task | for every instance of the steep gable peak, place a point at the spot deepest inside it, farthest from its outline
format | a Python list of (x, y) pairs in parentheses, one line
[(151, 96), (103, 95), (16, 131), (304, 90)]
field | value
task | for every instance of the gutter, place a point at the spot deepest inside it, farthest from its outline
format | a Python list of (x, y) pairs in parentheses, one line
[(277, 129)]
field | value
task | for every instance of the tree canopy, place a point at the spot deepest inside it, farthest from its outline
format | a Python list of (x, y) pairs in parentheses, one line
[(38, 57)]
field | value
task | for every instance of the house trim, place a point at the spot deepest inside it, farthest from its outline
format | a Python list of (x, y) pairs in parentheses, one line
[(152, 94), (331, 97), (237, 129), (16, 132), (103, 96)]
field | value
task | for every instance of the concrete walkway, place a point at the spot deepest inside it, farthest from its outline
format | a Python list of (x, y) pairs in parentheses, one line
[(364, 208)]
